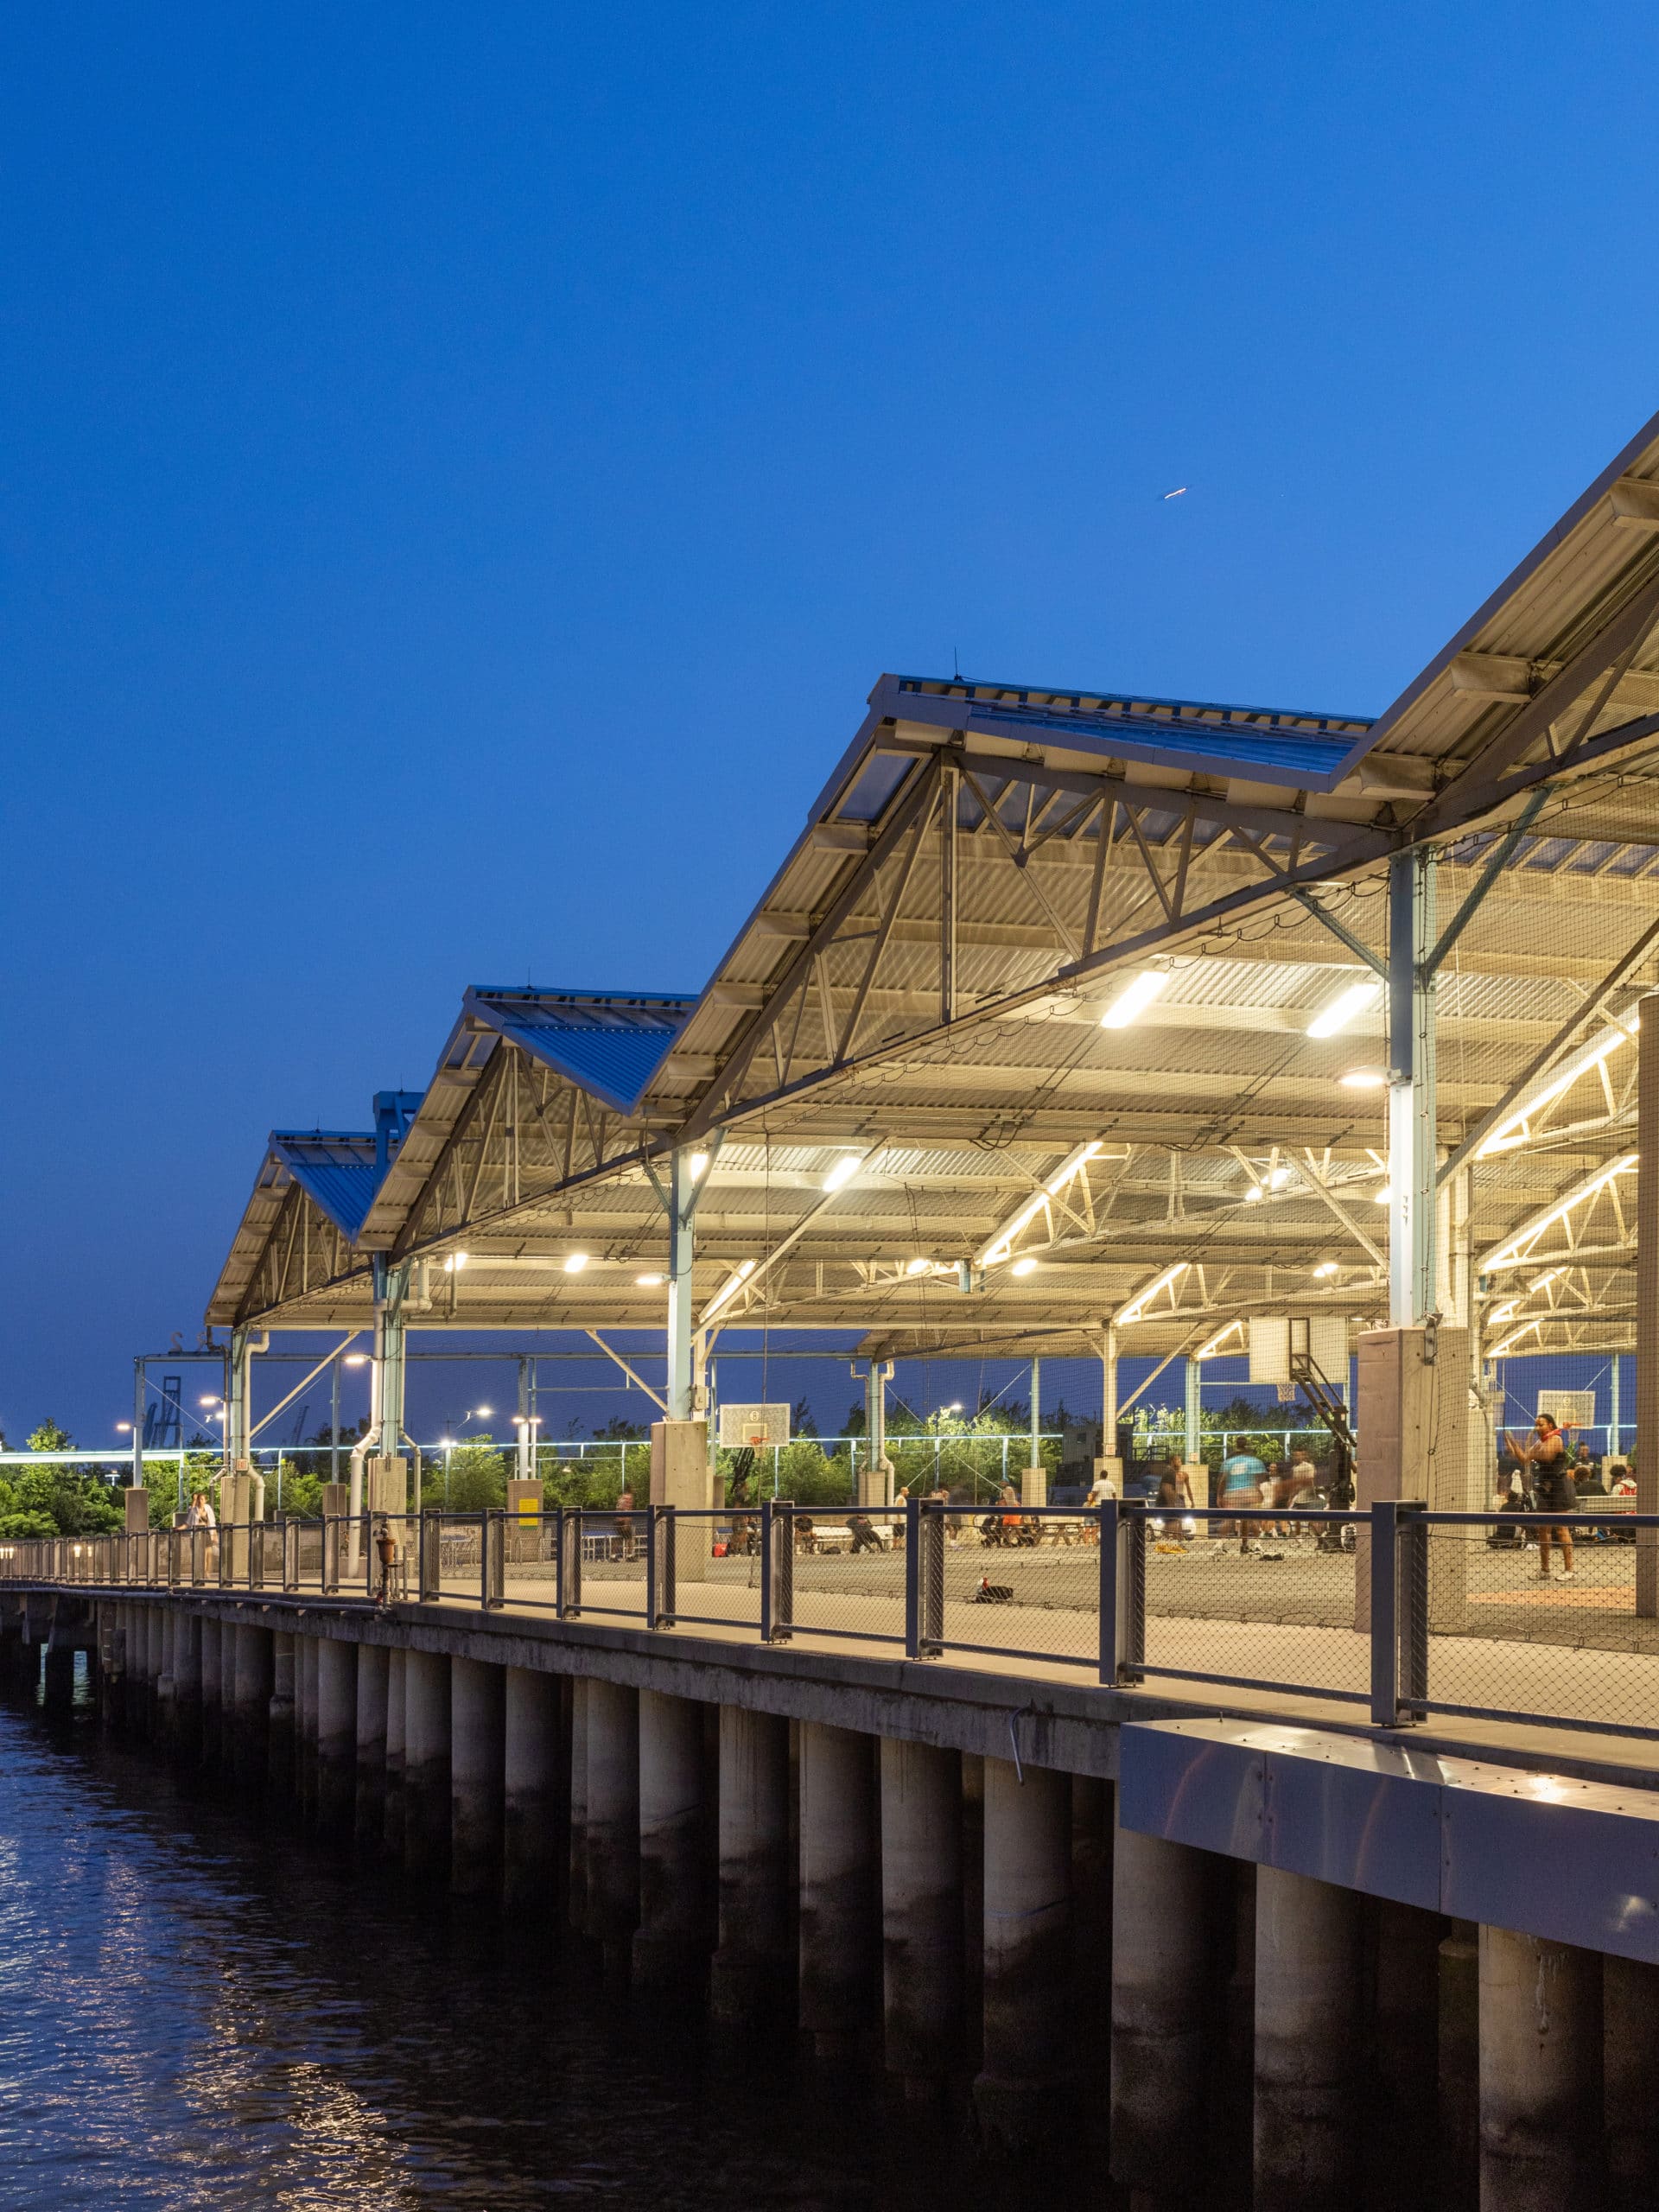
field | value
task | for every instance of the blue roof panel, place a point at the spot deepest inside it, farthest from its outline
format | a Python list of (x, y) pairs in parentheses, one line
[(611, 1044), (335, 1169), (1241, 746)]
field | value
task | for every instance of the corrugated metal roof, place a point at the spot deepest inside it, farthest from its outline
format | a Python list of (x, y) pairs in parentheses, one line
[(1266, 749), (611, 1043), (337, 1172)]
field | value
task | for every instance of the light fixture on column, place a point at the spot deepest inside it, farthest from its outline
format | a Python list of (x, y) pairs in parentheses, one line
[(1365, 1078), (1348, 1005), (649, 1282)]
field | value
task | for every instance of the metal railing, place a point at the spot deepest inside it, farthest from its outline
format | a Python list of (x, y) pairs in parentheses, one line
[(1401, 1613)]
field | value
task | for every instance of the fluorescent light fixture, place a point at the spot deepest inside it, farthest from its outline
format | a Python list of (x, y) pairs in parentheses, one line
[(1252, 1197), (1325, 1267), (843, 1170), (355, 1359), (917, 1266), (124, 1428), (1512, 1252), (575, 1263), (1384, 1194), (1026, 1267), (996, 1252), (1278, 1179), (1133, 1311), (1527, 1328), (482, 1413), (1511, 1131), (455, 1262), (1346, 1007), (1136, 996), (210, 1402), (745, 1269), (698, 1165), (1364, 1079), (649, 1282), (732, 1284), (1209, 1350)]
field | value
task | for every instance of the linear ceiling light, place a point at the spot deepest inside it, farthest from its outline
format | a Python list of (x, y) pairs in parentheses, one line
[(649, 1282), (1525, 1329), (1133, 1311), (1325, 1267), (1136, 996), (1364, 1079), (1209, 1350), (1028, 1266), (697, 1163), (575, 1263), (1346, 1007), (1511, 1131), (1512, 1252), (843, 1170), (998, 1249), (729, 1287), (1511, 1307)]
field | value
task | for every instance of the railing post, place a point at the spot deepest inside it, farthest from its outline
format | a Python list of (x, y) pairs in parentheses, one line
[(1399, 1611), (569, 1562), (776, 1571), (494, 1547), (330, 1555), (912, 1577), (666, 1538), (1123, 1593), (431, 1559)]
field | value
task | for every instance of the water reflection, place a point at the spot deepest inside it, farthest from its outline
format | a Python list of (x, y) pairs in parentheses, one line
[(196, 2011)]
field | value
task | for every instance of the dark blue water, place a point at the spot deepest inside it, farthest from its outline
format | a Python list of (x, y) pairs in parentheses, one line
[(197, 2008)]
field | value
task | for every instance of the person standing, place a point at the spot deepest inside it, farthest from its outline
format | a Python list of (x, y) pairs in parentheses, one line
[(1241, 1486), (1545, 1451)]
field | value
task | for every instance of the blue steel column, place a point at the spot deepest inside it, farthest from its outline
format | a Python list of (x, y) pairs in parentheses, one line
[(1411, 1088)]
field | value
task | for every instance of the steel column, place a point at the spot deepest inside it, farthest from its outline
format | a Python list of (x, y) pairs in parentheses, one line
[(1647, 1304), (1411, 1087)]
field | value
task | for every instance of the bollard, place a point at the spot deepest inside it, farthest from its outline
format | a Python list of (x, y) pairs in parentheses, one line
[(838, 1901), (478, 1752), (671, 1944), (369, 1799), (1027, 1951), (752, 1970), (921, 1913)]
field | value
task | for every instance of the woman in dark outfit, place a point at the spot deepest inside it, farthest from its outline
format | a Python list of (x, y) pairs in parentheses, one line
[(1552, 1486)]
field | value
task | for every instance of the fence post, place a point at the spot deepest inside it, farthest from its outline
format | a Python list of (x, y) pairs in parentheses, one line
[(1123, 1593), (912, 1576), (494, 1547), (431, 1556), (667, 1561), (1399, 1610), (330, 1555), (567, 1542), (776, 1571)]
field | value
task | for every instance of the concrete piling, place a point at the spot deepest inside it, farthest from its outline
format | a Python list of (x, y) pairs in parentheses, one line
[(187, 1684), (531, 1807), (426, 1765), (252, 1659), (336, 1734), (369, 1800), (478, 1748), (1162, 2014), (1027, 1951), (613, 1823), (1540, 2074), (1630, 2002), (576, 1878), (921, 1913), (838, 1891), (226, 1759), (279, 1742), (670, 1943), (751, 1969), (1308, 2023), (306, 1664), (391, 1833)]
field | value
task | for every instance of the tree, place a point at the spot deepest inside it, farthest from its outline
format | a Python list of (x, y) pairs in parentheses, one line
[(56, 1499)]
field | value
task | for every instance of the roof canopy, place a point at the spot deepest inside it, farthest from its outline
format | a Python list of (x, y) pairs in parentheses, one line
[(921, 989)]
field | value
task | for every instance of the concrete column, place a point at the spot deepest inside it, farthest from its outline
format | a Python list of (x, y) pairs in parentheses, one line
[(750, 1973), (671, 1942), (1458, 2064), (336, 1734), (1308, 2021), (612, 1907), (478, 1754), (921, 1912), (838, 1926), (1027, 1950), (531, 1826), (391, 1833), (59, 1692), (1630, 2002), (577, 1884), (187, 1684), (253, 1681), (426, 1765), (1400, 2066), (369, 1808), (279, 1745), (165, 1730), (155, 1670), (306, 1670), (227, 1698), (1540, 2074), (1162, 2013)]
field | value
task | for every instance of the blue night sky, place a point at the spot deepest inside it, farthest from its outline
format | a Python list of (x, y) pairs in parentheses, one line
[(464, 468)]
